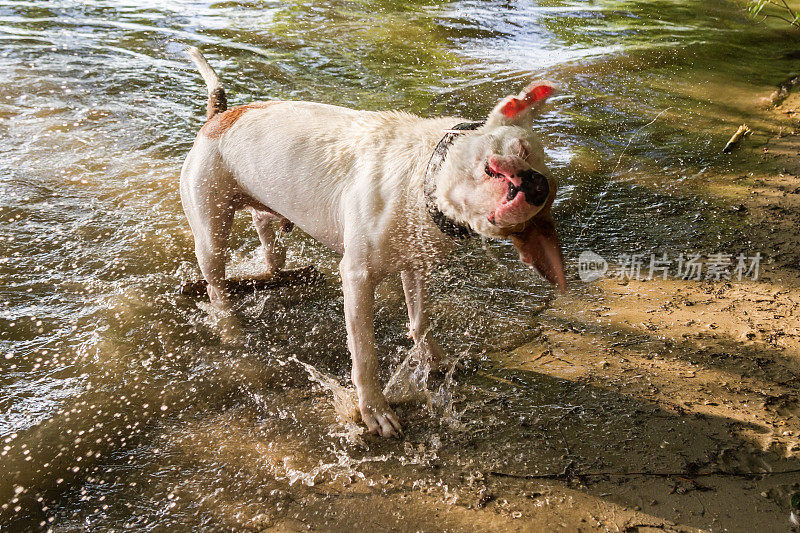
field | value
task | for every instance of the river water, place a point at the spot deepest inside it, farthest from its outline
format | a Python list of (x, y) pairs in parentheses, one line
[(120, 404)]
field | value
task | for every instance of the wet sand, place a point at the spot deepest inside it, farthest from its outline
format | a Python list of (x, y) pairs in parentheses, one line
[(709, 370)]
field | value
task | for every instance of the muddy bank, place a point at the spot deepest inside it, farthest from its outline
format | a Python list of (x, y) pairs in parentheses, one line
[(721, 355)]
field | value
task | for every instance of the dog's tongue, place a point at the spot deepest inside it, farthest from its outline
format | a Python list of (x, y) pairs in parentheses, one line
[(538, 246)]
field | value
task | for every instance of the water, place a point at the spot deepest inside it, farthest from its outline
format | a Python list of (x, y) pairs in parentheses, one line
[(121, 405)]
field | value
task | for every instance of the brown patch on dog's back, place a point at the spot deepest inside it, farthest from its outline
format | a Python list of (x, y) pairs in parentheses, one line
[(222, 122)]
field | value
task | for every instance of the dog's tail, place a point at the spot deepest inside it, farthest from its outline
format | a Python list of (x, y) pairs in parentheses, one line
[(217, 101)]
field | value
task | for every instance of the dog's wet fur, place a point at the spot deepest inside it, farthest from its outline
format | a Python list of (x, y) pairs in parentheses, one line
[(353, 180)]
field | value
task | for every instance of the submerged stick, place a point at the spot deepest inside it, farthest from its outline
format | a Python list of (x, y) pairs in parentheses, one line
[(740, 133), (299, 276)]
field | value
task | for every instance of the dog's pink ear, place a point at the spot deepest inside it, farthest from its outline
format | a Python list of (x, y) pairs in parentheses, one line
[(536, 92), (538, 246), (522, 107)]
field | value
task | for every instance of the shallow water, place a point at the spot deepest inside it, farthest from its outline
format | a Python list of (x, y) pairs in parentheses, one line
[(120, 403)]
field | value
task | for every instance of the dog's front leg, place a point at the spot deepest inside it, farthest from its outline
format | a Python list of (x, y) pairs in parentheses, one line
[(428, 350), (358, 285)]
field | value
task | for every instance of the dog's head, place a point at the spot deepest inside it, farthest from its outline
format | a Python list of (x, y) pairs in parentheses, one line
[(495, 180)]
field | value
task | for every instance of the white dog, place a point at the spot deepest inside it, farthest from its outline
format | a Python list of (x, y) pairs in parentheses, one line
[(389, 191)]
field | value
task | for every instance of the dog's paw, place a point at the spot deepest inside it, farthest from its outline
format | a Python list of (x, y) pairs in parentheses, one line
[(378, 416)]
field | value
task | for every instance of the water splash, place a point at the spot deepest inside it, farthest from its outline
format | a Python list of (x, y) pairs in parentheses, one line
[(344, 399)]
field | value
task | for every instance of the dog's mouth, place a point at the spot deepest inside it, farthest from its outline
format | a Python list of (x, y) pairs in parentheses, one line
[(525, 189)]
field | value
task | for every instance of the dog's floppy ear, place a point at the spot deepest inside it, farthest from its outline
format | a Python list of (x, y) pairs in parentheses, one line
[(521, 109), (538, 246)]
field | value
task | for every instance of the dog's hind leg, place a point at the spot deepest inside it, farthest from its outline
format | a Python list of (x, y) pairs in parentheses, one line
[(209, 206), (211, 247), (274, 248)]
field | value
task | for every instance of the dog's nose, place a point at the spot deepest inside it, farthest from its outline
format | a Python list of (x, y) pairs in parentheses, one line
[(535, 187)]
